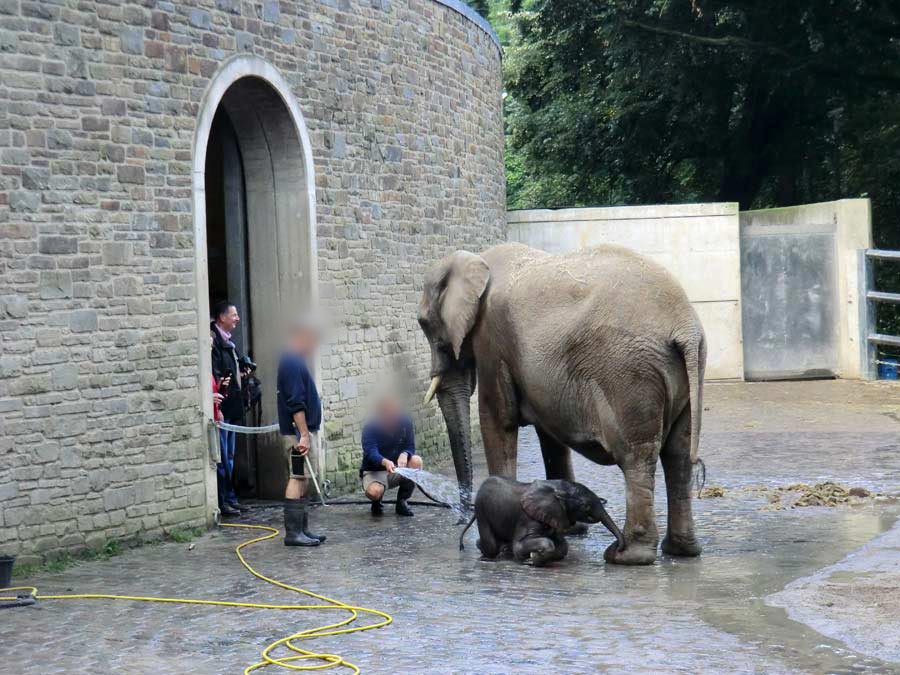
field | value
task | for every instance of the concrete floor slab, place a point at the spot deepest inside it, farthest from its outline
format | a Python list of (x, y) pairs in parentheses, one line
[(456, 614)]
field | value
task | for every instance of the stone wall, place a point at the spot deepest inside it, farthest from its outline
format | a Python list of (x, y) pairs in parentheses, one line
[(101, 434)]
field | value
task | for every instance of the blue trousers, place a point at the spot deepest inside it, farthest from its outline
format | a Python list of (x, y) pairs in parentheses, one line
[(225, 468)]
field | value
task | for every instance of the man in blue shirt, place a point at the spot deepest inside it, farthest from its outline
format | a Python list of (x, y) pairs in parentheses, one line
[(299, 417), (388, 442)]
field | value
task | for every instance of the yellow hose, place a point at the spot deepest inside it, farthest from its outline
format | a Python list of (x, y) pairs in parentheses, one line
[(337, 628)]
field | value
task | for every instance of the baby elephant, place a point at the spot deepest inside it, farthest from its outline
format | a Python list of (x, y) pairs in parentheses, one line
[(531, 518)]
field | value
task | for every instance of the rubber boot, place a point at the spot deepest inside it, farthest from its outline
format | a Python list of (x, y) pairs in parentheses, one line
[(294, 510), (319, 537), (404, 492)]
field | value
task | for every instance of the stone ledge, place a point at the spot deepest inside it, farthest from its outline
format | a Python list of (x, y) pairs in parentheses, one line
[(474, 17)]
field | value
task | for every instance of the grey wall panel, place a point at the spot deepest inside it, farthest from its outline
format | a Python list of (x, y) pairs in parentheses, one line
[(789, 311)]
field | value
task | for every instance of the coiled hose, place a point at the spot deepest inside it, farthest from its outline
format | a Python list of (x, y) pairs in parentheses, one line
[(321, 661)]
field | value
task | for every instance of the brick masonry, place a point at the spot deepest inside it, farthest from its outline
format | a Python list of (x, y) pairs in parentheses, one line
[(101, 431)]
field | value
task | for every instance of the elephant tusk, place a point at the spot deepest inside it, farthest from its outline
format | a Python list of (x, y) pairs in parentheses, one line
[(435, 383)]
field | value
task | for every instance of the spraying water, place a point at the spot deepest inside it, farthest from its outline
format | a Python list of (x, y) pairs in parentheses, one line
[(439, 488)]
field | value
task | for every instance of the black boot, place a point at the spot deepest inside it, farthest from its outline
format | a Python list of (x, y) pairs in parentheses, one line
[(404, 492), (319, 537), (294, 512), (377, 508)]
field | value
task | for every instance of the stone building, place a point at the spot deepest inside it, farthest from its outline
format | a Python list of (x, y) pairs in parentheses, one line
[(154, 153)]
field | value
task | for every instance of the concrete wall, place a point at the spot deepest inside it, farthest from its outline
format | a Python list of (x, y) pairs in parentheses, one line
[(102, 433), (698, 243), (831, 235), (778, 290)]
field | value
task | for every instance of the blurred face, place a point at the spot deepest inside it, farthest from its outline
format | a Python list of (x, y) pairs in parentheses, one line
[(388, 409), (304, 341), (229, 320)]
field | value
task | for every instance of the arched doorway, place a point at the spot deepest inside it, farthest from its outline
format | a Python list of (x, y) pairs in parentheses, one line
[(254, 226)]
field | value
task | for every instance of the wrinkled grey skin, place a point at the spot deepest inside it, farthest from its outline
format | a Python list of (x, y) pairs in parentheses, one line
[(600, 350), (530, 519)]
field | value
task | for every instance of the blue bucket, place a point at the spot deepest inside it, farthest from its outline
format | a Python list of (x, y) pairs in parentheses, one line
[(888, 369)]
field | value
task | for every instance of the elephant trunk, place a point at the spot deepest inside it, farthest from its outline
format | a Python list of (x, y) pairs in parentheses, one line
[(453, 398), (604, 517)]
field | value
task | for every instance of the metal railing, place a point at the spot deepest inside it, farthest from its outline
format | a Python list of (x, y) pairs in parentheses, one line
[(869, 307)]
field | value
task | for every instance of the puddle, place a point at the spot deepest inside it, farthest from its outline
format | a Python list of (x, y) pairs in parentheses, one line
[(856, 600)]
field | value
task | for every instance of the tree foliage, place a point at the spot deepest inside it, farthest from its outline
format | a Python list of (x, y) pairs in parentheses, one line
[(483, 7), (655, 101), (636, 101)]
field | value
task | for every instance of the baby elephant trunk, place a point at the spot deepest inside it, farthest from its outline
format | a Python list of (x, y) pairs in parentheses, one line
[(601, 516)]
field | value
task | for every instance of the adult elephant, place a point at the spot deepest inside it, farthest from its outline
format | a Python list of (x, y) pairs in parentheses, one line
[(600, 350)]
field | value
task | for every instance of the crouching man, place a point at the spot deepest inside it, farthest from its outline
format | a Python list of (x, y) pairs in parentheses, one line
[(299, 416), (388, 442)]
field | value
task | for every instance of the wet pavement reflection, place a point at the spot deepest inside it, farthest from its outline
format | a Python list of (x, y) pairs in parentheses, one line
[(456, 614)]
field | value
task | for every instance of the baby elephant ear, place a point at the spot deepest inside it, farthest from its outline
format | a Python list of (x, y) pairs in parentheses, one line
[(543, 503)]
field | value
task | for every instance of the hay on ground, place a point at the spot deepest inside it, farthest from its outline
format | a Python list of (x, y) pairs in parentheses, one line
[(712, 492), (828, 494)]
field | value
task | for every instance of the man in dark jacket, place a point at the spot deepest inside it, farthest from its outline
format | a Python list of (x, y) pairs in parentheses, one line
[(299, 417), (388, 442), (226, 370)]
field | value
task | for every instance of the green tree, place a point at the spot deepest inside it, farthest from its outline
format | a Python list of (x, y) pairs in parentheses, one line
[(870, 166), (762, 103), (637, 101), (481, 6)]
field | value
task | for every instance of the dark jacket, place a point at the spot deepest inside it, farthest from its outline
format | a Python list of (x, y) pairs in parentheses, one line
[(297, 391), (379, 443), (224, 361)]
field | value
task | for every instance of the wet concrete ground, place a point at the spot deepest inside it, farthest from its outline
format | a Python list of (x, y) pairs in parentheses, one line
[(456, 614)]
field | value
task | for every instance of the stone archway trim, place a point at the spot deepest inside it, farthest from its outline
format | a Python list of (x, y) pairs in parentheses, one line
[(232, 70)]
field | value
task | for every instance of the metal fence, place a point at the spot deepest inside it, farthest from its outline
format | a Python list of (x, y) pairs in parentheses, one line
[(870, 307)]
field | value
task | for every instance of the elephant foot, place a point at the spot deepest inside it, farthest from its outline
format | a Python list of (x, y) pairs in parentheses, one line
[(577, 530), (635, 553), (681, 546)]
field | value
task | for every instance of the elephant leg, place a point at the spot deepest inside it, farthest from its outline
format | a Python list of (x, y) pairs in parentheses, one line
[(499, 417), (676, 461), (558, 465), (487, 543), (501, 443), (561, 548), (557, 457), (641, 536)]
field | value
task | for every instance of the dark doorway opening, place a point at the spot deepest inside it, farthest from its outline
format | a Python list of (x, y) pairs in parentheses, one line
[(260, 211), (228, 267)]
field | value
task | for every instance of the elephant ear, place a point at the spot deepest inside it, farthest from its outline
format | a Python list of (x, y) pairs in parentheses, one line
[(543, 503), (467, 277)]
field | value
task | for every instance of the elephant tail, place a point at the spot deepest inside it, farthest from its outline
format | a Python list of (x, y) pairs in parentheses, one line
[(693, 351), (463, 533)]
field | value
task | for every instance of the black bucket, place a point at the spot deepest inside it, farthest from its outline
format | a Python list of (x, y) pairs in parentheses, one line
[(6, 565)]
